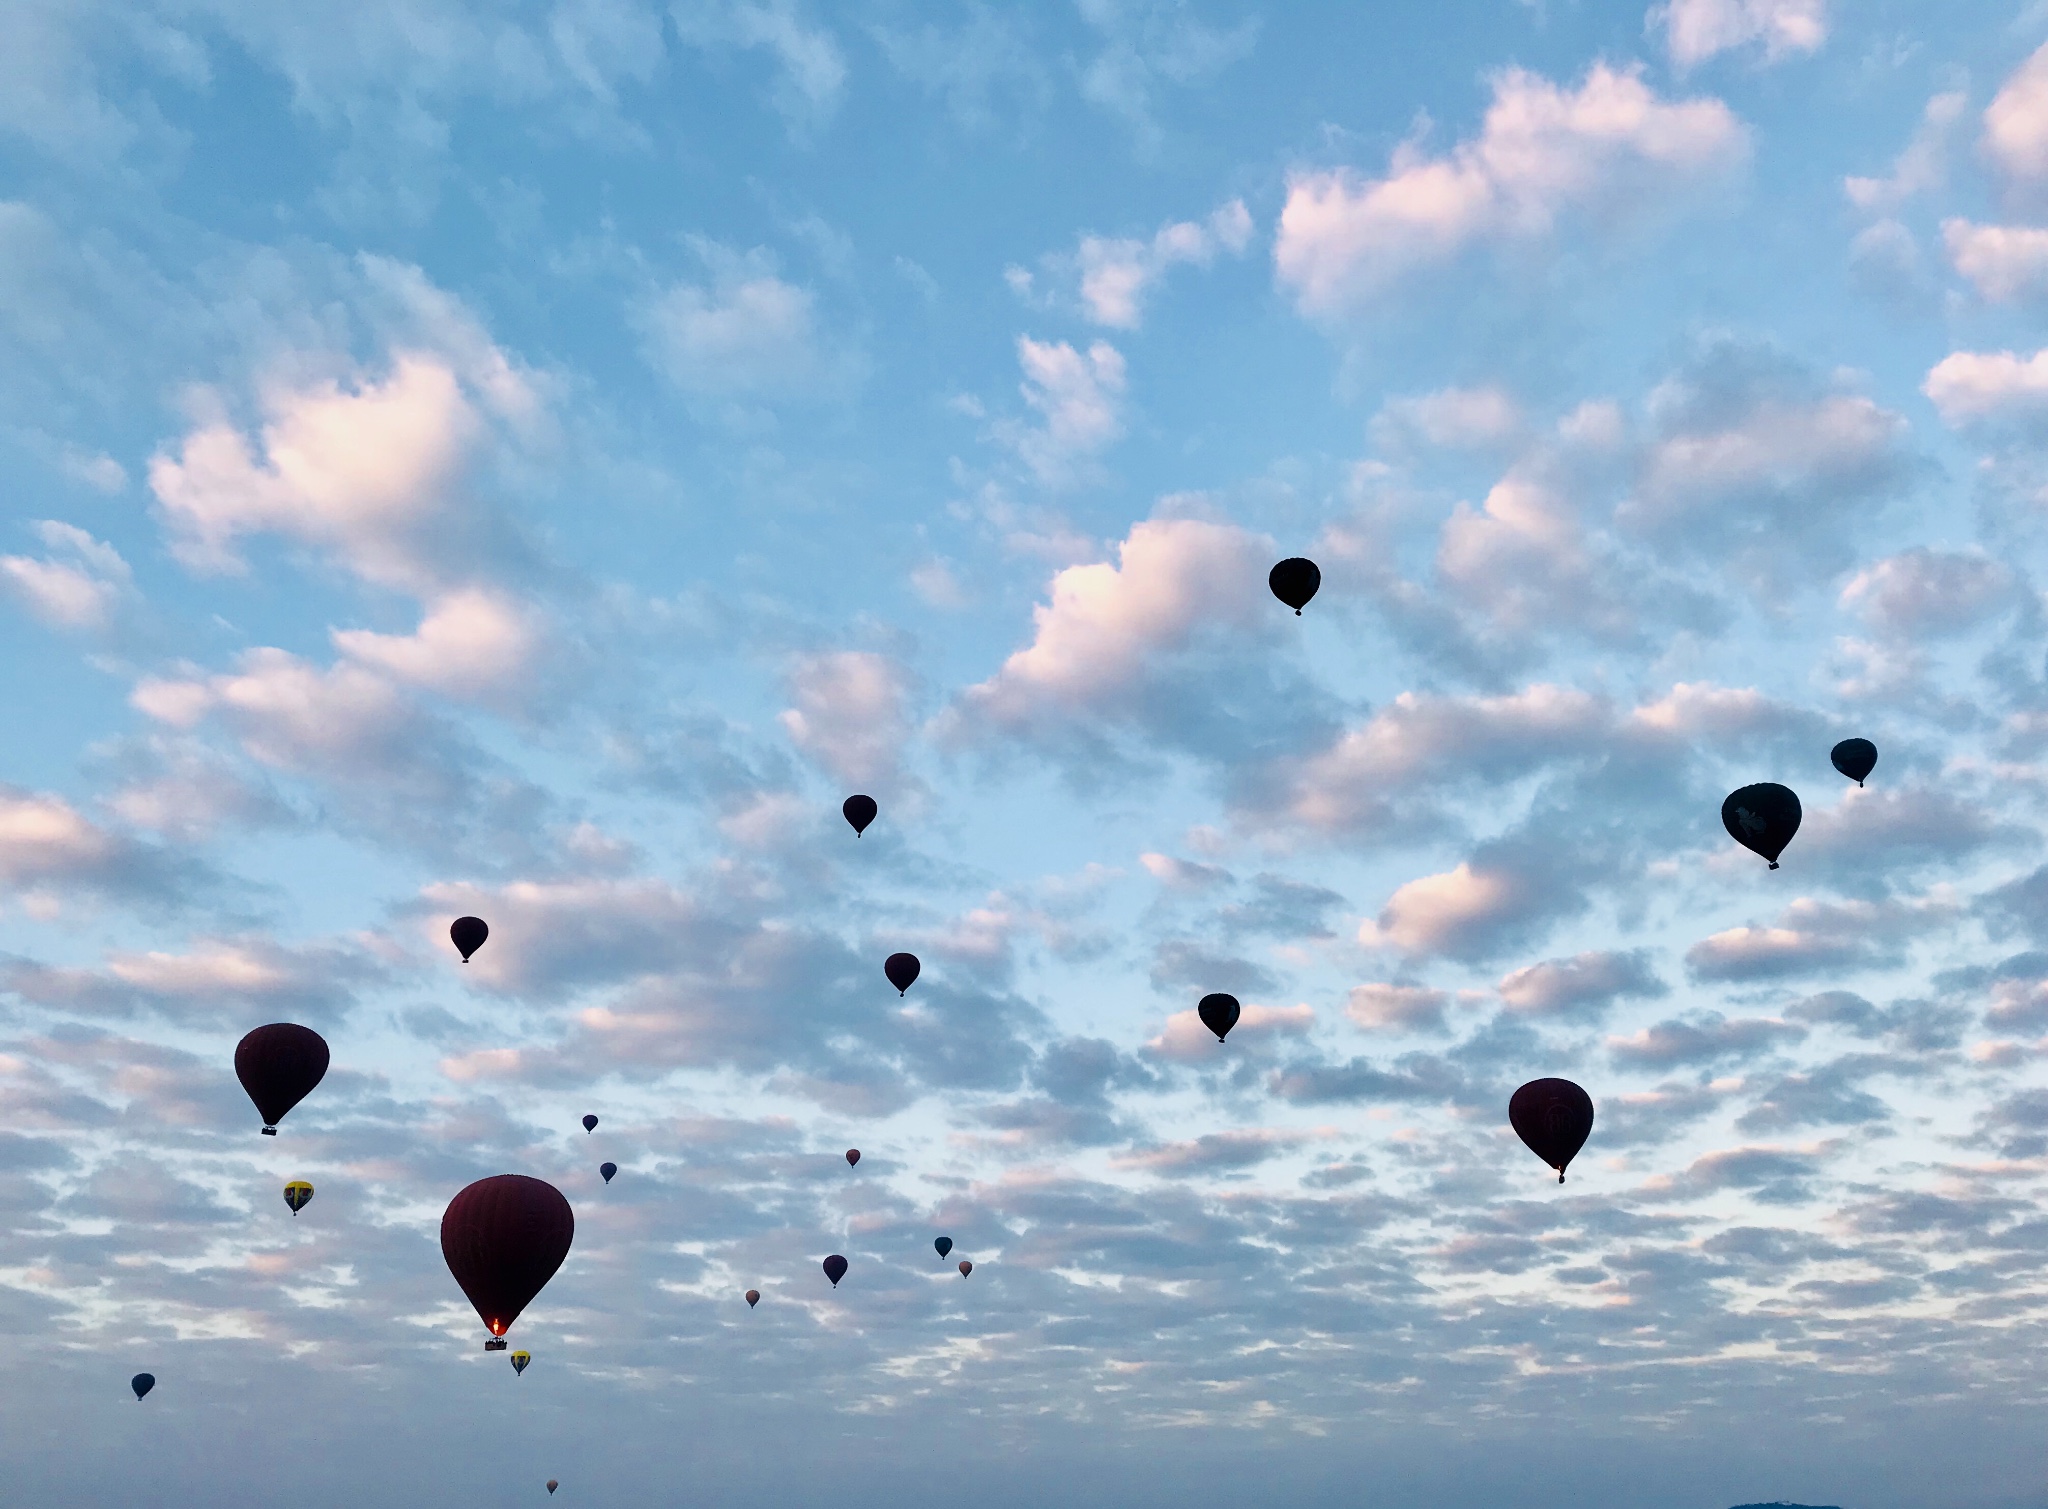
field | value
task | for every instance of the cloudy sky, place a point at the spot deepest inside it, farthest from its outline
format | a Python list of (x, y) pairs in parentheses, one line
[(537, 457)]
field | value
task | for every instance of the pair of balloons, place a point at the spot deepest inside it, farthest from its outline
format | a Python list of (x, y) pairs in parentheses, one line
[(1765, 817)]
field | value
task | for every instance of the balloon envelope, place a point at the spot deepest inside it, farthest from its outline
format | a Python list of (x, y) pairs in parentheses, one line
[(142, 1383), (590, 1123), (852, 1156), (519, 1361), (552, 1485), (607, 1169), (296, 1194), (965, 1267), (835, 1269), (902, 971), (860, 811), (279, 1065), (1855, 758), (1218, 1013), (1554, 1117), (1294, 581), (753, 1298), (944, 1245), (468, 934), (503, 1238), (1762, 817)]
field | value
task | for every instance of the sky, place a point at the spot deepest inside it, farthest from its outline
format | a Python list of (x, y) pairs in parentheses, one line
[(537, 459)]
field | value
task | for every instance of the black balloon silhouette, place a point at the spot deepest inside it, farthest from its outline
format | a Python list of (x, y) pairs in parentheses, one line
[(1762, 817), (552, 1486), (860, 811), (1218, 1013), (468, 935), (753, 1298), (902, 971), (279, 1065), (608, 1170), (944, 1244), (503, 1238), (1554, 1117), (835, 1269), (590, 1123), (1855, 758), (1294, 581), (142, 1383)]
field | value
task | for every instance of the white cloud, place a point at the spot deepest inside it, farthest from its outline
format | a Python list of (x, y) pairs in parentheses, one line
[(1381, 1007), (1588, 980), (75, 593), (1922, 591), (290, 714), (1116, 273), (1458, 913), (811, 70), (43, 838), (1453, 419), (1186, 1039), (851, 715), (1609, 145), (1811, 936), (1921, 167), (746, 334), (1969, 387), (1696, 30), (2003, 262), (470, 645), (2016, 120), (1079, 398)]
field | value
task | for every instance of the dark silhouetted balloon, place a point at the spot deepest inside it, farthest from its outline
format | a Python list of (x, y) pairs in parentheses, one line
[(1218, 1013), (1762, 817), (590, 1123), (1554, 1117), (753, 1298), (965, 1267), (552, 1486), (279, 1065), (503, 1239), (852, 1156), (1294, 582), (902, 971), (1855, 758), (519, 1362), (296, 1194), (468, 935), (860, 811), (142, 1383), (835, 1269), (944, 1245), (608, 1169)]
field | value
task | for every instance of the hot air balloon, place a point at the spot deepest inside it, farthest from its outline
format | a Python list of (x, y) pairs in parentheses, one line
[(590, 1123), (279, 1065), (753, 1298), (608, 1169), (519, 1362), (1554, 1117), (860, 811), (1294, 582), (503, 1238), (965, 1267), (468, 935), (142, 1383), (1218, 1013), (552, 1486), (1762, 817), (835, 1269), (901, 970), (852, 1156), (944, 1246), (1855, 758), (296, 1194)]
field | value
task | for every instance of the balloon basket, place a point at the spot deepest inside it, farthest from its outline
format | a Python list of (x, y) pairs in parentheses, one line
[(270, 1131), (495, 1344)]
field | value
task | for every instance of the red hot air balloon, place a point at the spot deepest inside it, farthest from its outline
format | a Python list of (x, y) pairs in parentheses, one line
[(279, 1065), (902, 971), (753, 1298), (1554, 1117), (860, 811), (503, 1239), (965, 1267), (468, 935), (552, 1486), (852, 1156), (835, 1269)]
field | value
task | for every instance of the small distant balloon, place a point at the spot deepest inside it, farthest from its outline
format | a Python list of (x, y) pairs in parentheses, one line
[(1218, 1013), (753, 1298), (902, 971), (279, 1065), (852, 1156), (552, 1486), (519, 1362), (1294, 581), (142, 1383), (965, 1267), (296, 1194), (1855, 758), (590, 1123), (860, 811), (468, 935), (835, 1269), (1554, 1117), (608, 1170), (944, 1245), (1762, 818)]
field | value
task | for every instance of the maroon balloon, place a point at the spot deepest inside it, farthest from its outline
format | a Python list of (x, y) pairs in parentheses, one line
[(835, 1269), (902, 971), (1554, 1117), (965, 1267), (279, 1065), (503, 1239), (852, 1156), (753, 1298)]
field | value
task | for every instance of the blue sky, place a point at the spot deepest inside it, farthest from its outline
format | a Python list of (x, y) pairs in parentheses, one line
[(537, 460)]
